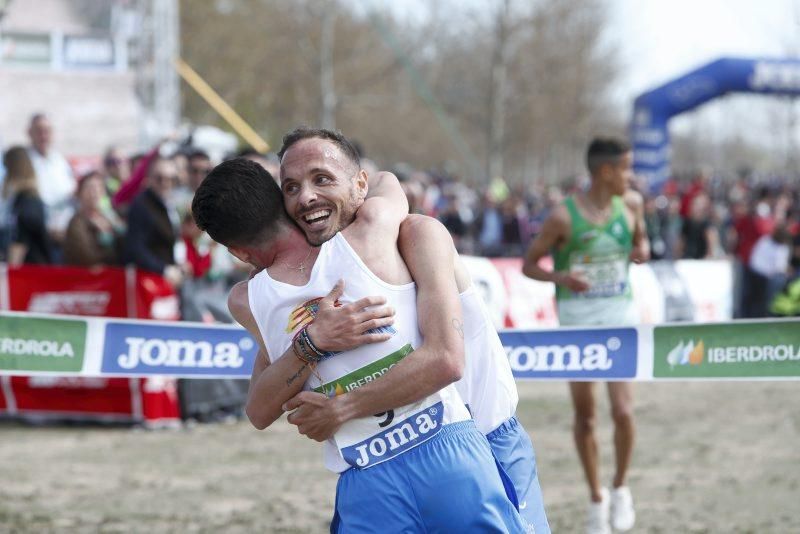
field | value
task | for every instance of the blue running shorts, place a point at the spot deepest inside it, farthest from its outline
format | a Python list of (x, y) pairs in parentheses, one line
[(514, 451), (450, 483)]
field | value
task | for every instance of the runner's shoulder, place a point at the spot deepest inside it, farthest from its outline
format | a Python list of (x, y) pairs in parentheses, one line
[(633, 200), (417, 225), (559, 219), (386, 202), (239, 303)]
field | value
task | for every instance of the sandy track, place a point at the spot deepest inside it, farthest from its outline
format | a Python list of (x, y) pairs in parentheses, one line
[(711, 457)]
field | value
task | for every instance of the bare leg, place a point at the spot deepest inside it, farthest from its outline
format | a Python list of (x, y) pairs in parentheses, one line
[(583, 432), (621, 396)]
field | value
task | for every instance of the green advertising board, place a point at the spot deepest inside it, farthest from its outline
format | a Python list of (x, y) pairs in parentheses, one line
[(32, 344), (735, 350)]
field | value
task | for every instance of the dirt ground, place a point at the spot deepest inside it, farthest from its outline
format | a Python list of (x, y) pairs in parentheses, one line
[(710, 457)]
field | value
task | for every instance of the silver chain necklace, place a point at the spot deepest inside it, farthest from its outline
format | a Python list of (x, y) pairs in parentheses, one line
[(302, 267)]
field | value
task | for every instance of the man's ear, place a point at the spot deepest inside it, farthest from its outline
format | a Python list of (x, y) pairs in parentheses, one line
[(362, 180)]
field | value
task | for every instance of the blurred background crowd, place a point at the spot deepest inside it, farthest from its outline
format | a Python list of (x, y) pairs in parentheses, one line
[(490, 130), (134, 209)]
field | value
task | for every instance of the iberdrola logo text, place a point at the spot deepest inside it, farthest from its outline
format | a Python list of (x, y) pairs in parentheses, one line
[(692, 353), (35, 347)]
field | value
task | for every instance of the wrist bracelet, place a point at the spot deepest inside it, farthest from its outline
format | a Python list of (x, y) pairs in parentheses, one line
[(303, 352), (306, 339)]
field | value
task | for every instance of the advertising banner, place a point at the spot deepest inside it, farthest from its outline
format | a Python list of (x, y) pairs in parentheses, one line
[(531, 304), (709, 284), (676, 301), (67, 290), (143, 349), (663, 291), (29, 49), (88, 51), (79, 393), (54, 354), (735, 350), (490, 286), (609, 353), (75, 397), (648, 294), (34, 344)]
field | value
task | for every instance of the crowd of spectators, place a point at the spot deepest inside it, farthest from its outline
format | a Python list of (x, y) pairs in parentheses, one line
[(751, 219), (130, 210), (135, 210)]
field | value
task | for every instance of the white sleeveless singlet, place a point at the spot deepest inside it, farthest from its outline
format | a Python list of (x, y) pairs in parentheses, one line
[(488, 385), (281, 309)]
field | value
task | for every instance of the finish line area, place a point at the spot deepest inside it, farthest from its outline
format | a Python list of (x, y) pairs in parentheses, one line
[(78, 346)]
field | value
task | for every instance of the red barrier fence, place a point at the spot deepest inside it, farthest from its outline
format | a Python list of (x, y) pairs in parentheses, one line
[(104, 292)]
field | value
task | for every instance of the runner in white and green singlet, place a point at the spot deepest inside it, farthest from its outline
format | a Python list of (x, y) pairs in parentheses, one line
[(593, 236), (599, 254)]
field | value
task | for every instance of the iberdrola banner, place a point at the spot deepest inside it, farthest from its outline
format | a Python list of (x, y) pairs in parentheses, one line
[(50, 345), (768, 349)]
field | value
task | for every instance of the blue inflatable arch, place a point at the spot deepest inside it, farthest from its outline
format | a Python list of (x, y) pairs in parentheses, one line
[(653, 109)]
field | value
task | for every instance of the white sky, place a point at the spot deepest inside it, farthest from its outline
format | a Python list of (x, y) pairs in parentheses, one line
[(658, 40)]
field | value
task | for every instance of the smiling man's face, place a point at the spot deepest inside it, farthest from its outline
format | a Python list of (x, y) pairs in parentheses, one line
[(322, 188)]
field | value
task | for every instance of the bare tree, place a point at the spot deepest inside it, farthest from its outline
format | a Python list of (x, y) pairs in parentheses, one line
[(507, 88), (498, 92), (326, 67)]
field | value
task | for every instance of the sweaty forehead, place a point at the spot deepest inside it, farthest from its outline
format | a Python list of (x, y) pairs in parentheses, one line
[(311, 154)]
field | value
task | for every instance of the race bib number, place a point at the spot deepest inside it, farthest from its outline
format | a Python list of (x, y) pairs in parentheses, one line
[(371, 440), (607, 275)]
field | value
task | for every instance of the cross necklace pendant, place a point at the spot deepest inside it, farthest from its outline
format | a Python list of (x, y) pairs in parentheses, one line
[(302, 267)]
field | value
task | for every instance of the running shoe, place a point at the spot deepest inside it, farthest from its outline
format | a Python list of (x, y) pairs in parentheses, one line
[(597, 517), (623, 516)]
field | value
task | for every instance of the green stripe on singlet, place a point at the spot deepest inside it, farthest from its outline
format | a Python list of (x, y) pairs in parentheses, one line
[(365, 374)]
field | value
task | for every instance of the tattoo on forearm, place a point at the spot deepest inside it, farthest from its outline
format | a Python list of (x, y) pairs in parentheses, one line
[(296, 375), (459, 326)]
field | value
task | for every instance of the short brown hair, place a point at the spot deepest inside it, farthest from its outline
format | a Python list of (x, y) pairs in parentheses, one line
[(335, 137)]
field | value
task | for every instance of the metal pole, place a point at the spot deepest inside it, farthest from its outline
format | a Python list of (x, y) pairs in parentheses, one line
[(220, 106), (166, 48)]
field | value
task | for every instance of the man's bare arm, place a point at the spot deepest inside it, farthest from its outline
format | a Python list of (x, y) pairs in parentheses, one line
[(429, 253), (554, 230), (272, 384), (641, 244), (386, 186), (385, 205), (427, 249)]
